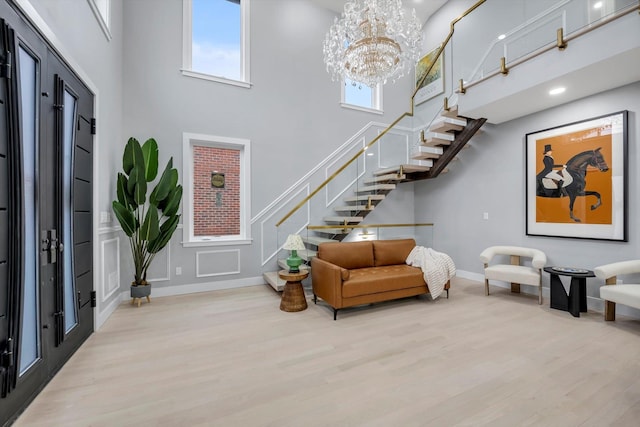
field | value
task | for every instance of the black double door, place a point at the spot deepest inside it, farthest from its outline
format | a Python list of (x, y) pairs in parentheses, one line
[(46, 173)]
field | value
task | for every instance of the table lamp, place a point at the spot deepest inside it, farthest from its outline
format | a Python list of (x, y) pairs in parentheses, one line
[(294, 244)]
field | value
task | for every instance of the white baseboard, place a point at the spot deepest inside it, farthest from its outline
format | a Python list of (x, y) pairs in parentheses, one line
[(102, 317), (167, 291), (593, 303)]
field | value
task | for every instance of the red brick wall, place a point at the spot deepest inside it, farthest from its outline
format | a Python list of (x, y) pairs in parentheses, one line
[(208, 218)]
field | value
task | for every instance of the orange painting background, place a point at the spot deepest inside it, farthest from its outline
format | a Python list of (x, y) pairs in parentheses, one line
[(564, 147)]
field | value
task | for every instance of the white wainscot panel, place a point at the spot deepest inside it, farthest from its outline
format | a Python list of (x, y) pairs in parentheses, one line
[(110, 274), (217, 263), (160, 268)]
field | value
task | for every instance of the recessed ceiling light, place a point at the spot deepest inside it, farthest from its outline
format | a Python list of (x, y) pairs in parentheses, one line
[(597, 5), (557, 90), (502, 36)]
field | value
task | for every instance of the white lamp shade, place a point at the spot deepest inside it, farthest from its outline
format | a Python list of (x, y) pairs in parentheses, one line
[(294, 243)]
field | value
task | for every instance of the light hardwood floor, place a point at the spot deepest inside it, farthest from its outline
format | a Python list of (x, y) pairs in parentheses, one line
[(232, 358)]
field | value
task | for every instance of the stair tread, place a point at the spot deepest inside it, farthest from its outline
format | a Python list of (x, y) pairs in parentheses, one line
[(384, 178), (375, 187), (316, 240), (364, 198), (427, 152), (452, 112), (439, 135), (352, 208), (448, 124), (272, 278), (342, 219), (340, 230), (406, 168)]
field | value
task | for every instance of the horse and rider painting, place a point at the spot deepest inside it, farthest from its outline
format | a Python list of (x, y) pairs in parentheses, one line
[(573, 184)]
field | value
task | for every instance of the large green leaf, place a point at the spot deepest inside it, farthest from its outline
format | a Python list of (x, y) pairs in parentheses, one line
[(121, 189), (167, 182), (150, 227), (137, 185), (125, 217), (166, 231), (173, 202), (150, 154), (132, 156)]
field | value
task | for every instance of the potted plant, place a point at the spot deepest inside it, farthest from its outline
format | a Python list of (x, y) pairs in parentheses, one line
[(148, 223)]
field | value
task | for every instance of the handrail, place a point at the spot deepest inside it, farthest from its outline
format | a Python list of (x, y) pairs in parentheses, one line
[(405, 114), (321, 227)]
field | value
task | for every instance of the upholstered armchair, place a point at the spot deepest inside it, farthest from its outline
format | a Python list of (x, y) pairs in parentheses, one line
[(627, 294), (514, 272)]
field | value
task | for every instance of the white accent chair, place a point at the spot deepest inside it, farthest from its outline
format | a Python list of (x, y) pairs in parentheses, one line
[(627, 294), (514, 272)]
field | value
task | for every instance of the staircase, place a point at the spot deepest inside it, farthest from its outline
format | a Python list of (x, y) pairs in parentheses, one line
[(439, 146)]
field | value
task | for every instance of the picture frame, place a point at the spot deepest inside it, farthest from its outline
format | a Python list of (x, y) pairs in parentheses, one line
[(433, 84), (589, 160)]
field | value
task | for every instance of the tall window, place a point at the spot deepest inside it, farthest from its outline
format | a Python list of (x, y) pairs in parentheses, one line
[(216, 187), (216, 40), (360, 96)]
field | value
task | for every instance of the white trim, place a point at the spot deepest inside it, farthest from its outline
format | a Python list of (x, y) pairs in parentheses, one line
[(218, 242), (242, 145), (192, 288), (109, 230), (245, 45), (363, 109), (203, 76), (348, 185), (198, 274), (103, 21)]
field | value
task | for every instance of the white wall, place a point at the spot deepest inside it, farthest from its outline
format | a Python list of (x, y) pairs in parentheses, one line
[(291, 114), (490, 178)]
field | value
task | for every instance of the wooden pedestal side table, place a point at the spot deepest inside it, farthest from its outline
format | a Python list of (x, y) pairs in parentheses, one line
[(293, 298)]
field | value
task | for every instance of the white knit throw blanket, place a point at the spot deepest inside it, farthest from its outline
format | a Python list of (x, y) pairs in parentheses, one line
[(437, 268)]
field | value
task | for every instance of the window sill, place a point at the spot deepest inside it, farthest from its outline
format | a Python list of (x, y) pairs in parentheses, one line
[(363, 109), (202, 76), (199, 243)]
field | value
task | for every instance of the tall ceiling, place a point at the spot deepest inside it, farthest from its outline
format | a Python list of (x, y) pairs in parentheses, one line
[(424, 8)]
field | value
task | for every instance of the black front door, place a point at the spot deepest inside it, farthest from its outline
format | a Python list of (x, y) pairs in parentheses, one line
[(46, 171)]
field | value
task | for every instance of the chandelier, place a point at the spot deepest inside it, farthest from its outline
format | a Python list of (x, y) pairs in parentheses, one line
[(372, 42)]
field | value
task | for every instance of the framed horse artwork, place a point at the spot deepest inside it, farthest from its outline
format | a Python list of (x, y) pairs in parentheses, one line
[(576, 179)]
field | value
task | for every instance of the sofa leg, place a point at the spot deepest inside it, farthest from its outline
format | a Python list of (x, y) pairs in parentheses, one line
[(335, 313), (315, 298), (447, 293), (486, 286), (540, 295), (609, 311)]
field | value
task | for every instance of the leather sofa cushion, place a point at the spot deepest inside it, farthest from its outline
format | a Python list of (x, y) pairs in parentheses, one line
[(365, 281), (392, 252), (347, 255)]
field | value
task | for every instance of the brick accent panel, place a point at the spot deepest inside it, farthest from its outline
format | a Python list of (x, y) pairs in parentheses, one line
[(209, 219)]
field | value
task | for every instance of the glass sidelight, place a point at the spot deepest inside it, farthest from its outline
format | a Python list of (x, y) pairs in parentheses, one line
[(30, 331), (66, 247)]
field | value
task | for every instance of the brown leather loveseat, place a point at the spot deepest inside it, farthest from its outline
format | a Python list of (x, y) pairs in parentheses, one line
[(345, 274)]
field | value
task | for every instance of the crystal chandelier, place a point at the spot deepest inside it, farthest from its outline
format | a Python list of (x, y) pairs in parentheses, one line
[(373, 42)]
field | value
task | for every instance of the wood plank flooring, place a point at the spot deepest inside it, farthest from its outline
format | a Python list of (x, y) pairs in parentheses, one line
[(232, 358)]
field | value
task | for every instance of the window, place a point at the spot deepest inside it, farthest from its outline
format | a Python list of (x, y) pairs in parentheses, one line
[(216, 206), (361, 97), (102, 10), (216, 40)]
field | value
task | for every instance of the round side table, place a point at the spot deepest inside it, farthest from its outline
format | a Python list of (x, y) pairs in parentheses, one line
[(293, 298)]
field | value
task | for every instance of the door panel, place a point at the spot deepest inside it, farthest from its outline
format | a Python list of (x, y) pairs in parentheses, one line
[(46, 239)]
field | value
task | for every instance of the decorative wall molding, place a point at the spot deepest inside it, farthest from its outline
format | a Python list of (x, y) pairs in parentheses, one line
[(107, 277), (221, 273), (167, 277), (360, 144)]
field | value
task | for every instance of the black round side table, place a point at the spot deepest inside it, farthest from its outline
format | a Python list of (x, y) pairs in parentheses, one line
[(576, 301)]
